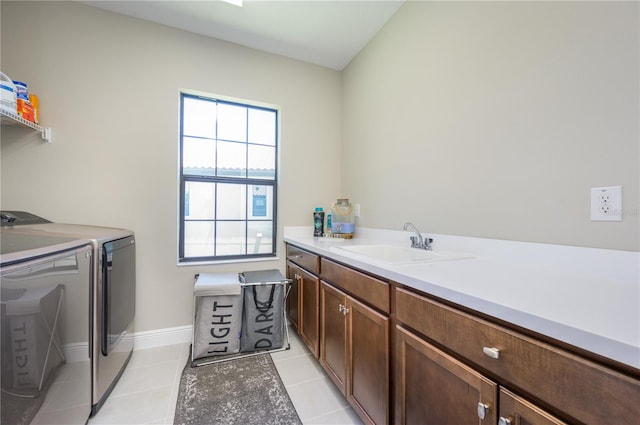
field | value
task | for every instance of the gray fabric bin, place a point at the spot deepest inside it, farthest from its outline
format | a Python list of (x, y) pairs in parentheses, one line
[(218, 315), (263, 310)]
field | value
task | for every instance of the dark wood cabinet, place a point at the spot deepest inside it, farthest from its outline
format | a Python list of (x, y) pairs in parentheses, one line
[(354, 345), (303, 303), (305, 259), (333, 338), (434, 388), (402, 356), (293, 299), (581, 390), (368, 365), (309, 326)]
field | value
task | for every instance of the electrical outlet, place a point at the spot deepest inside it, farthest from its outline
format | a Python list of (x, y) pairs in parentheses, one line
[(356, 211), (605, 198), (605, 209), (606, 203)]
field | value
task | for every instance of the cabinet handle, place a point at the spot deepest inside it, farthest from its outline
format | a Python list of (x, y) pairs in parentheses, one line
[(483, 409), (345, 311), (492, 352), (504, 421), (340, 308)]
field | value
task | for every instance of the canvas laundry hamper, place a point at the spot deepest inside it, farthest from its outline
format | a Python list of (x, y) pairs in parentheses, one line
[(218, 315), (263, 324)]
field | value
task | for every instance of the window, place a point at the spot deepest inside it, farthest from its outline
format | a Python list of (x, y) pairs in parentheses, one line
[(228, 180)]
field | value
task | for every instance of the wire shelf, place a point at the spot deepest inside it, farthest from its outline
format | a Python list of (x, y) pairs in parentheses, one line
[(13, 119)]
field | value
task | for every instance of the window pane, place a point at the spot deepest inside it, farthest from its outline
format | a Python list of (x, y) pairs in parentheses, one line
[(199, 200), (262, 127), (232, 159), (226, 148), (261, 202), (262, 162), (260, 237), (198, 156), (232, 122), (231, 238), (232, 201), (198, 239), (199, 118)]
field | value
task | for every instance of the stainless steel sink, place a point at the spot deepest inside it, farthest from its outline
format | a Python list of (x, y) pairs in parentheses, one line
[(391, 254)]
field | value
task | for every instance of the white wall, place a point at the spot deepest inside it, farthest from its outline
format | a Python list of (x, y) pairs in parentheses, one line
[(477, 119), (494, 119), (109, 89)]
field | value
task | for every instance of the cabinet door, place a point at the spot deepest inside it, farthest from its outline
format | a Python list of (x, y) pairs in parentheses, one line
[(434, 388), (333, 340), (309, 310), (515, 410), (293, 273), (368, 345), (580, 388)]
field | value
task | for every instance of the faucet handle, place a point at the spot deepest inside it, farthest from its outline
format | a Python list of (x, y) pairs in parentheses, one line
[(417, 242)]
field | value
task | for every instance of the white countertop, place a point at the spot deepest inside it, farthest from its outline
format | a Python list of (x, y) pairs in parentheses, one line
[(586, 297)]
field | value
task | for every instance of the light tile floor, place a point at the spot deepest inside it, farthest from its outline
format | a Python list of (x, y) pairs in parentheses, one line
[(148, 389)]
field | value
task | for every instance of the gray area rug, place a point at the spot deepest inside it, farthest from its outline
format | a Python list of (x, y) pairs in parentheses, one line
[(243, 391), (17, 410)]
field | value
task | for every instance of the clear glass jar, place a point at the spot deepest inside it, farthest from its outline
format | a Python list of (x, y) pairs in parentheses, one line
[(342, 219)]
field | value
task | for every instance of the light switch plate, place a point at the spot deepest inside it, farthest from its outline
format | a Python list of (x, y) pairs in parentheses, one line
[(606, 203)]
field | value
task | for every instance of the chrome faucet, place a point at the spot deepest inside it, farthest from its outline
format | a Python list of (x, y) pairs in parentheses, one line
[(418, 241)]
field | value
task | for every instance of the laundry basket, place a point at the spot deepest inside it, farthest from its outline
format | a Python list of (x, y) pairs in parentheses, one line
[(238, 315), (217, 315), (263, 322)]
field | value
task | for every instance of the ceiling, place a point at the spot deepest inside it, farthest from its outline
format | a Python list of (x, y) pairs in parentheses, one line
[(322, 32)]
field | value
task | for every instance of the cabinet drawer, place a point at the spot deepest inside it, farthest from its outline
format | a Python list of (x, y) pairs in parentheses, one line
[(582, 389), (367, 288), (304, 258)]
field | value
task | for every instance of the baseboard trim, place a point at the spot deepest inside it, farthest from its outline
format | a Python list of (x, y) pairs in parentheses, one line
[(161, 337), (76, 352)]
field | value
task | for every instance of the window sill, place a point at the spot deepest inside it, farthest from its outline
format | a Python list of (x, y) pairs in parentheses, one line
[(217, 262)]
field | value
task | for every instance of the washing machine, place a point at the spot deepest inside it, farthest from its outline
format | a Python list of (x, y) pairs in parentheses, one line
[(113, 290), (45, 283)]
